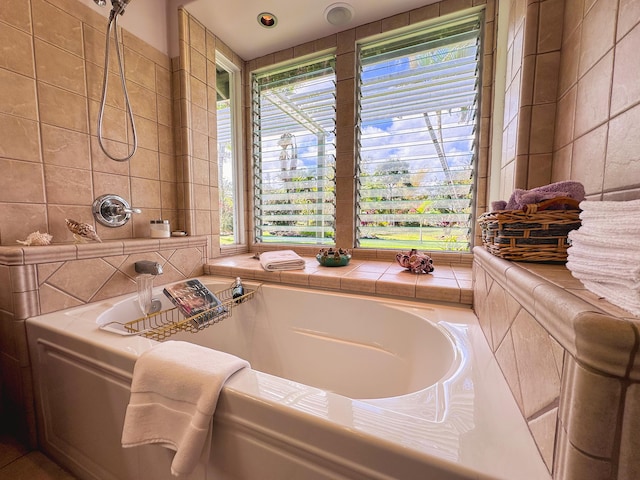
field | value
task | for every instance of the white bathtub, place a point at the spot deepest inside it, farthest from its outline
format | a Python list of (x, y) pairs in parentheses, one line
[(341, 386)]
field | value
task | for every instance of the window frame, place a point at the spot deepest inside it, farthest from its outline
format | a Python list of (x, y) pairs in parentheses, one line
[(276, 72), (237, 139), (408, 34)]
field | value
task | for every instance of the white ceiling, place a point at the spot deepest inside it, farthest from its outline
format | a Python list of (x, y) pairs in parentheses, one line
[(299, 21)]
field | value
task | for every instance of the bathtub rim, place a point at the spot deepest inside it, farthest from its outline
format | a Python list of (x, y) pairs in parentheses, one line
[(237, 388)]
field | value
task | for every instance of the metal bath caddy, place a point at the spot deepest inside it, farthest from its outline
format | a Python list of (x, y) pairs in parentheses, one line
[(161, 325)]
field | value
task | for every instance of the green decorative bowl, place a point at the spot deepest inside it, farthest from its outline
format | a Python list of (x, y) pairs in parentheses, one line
[(333, 258)]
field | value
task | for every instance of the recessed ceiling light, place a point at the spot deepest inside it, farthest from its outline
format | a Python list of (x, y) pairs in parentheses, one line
[(267, 20), (338, 14)]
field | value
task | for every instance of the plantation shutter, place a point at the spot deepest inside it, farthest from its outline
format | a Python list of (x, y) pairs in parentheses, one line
[(418, 113), (294, 153)]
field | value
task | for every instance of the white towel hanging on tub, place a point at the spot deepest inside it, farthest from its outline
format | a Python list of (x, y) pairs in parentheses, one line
[(174, 393)]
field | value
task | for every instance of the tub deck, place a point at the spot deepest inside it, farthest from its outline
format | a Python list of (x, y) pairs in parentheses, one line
[(450, 282)]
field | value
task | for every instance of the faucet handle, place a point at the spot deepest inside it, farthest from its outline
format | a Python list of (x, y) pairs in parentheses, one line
[(112, 210)]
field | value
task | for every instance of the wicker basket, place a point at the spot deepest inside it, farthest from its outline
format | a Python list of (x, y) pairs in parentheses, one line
[(533, 234)]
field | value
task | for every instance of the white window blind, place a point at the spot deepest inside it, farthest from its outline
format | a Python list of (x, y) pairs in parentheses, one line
[(417, 127), (294, 153)]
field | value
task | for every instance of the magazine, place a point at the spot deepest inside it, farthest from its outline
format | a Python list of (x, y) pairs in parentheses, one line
[(193, 298)]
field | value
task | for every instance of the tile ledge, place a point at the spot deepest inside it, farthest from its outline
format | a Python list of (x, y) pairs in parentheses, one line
[(20, 255), (595, 332), (445, 290)]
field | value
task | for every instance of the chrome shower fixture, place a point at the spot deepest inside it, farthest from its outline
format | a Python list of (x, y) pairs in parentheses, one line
[(118, 9), (117, 6)]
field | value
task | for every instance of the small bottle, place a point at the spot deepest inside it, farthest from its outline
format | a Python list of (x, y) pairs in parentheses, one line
[(160, 228), (238, 290)]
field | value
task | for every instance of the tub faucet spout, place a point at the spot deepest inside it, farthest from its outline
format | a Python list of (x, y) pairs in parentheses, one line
[(149, 267)]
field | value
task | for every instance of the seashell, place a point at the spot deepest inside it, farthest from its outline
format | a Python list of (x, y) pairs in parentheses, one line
[(36, 238), (82, 231)]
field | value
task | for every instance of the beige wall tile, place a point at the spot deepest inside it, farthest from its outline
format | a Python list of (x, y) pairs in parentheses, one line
[(594, 402), (542, 128), (57, 27), (143, 101), (139, 69), (588, 159), (623, 151), (628, 17), (147, 131), (564, 120), (163, 81), (114, 122), (60, 68), (62, 108), (17, 95), (17, 50), (68, 186), (539, 379), (543, 429), (20, 138), (104, 183), (71, 278), (145, 164), (592, 102), (145, 193), (598, 34), (94, 86), (573, 14), (626, 88), (628, 467), (17, 14), (20, 219), (94, 48), (551, 18), (21, 182), (570, 57), (65, 148)]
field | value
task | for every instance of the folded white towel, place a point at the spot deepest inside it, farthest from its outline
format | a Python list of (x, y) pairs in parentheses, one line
[(281, 260), (607, 208), (600, 263), (605, 241), (626, 299), (174, 393), (620, 218)]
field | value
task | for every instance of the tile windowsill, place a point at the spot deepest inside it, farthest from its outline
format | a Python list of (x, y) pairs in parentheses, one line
[(450, 283)]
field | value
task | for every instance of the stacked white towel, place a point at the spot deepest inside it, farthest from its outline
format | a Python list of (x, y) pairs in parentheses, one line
[(605, 252), (174, 393), (281, 260)]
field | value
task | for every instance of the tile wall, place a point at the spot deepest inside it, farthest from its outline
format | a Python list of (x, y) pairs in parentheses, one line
[(571, 362), (38, 280), (194, 82), (572, 101), (533, 58), (597, 139), (51, 71)]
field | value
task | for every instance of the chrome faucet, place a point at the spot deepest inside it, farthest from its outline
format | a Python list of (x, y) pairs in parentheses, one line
[(148, 267)]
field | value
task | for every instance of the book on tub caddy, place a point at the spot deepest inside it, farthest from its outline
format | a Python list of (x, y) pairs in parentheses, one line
[(193, 298)]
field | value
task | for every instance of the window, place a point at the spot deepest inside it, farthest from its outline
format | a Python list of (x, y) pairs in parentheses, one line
[(417, 145), (229, 169), (294, 153)]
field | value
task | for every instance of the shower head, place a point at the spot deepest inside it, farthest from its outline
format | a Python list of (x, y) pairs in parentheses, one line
[(117, 5)]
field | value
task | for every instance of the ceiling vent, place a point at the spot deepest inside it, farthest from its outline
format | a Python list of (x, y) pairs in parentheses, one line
[(338, 14)]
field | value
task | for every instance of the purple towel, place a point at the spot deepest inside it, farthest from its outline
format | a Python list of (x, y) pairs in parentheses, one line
[(520, 198)]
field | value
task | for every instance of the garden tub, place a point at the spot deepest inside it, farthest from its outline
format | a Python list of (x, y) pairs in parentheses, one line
[(340, 386)]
